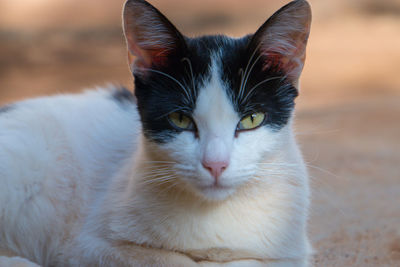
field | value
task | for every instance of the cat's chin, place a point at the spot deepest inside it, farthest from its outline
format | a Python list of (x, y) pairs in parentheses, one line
[(216, 192)]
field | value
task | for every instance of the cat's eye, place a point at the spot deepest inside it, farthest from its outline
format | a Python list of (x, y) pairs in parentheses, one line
[(251, 121), (181, 121)]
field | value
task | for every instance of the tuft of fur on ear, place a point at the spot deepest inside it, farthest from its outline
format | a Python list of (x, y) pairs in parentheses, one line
[(151, 38), (282, 39)]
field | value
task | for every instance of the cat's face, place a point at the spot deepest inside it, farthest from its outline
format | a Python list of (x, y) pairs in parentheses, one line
[(214, 107)]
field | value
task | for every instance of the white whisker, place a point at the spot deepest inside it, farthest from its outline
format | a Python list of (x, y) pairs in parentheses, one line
[(249, 72), (185, 59), (160, 161), (256, 86), (322, 170), (245, 71), (158, 180), (173, 79), (169, 112)]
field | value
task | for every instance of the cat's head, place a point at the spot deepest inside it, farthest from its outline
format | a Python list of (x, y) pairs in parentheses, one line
[(214, 107)]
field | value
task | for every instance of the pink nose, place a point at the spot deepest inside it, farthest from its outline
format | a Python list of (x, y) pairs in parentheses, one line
[(215, 167)]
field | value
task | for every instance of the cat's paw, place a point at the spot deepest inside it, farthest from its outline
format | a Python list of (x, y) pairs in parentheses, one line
[(239, 263), (257, 263), (16, 262)]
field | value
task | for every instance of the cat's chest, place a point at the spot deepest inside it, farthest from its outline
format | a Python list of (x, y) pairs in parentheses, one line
[(220, 234), (264, 223)]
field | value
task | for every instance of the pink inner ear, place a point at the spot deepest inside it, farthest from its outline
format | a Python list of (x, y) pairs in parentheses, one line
[(159, 57), (143, 58), (273, 61), (280, 62), (290, 63)]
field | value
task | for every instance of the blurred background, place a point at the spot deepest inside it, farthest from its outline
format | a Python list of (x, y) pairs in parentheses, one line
[(348, 112)]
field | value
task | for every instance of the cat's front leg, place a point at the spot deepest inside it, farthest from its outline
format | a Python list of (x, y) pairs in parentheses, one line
[(157, 258), (126, 256), (257, 263)]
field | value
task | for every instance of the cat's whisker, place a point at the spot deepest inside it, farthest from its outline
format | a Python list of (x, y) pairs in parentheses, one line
[(154, 181), (257, 85), (277, 164), (160, 162), (175, 109), (245, 71), (163, 180), (156, 168), (189, 62), (275, 167), (322, 170), (281, 167), (277, 172), (249, 73), (158, 180), (159, 175), (187, 94), (186, 168), (241, 73), (167, 184), (171, 186), (169, 112)]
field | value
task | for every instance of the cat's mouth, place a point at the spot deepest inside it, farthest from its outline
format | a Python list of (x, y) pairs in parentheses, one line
[(215, 187), (216, 191)]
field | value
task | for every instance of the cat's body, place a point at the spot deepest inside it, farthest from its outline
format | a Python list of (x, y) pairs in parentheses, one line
[(108, 179)]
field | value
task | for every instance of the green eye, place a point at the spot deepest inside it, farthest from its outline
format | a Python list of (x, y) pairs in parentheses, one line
[(251, 121), (181, 121)]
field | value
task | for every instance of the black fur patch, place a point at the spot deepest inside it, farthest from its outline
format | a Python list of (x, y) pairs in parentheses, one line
[(172, 88), (123, 95), (158, 94), (6, 108), (258, 89)]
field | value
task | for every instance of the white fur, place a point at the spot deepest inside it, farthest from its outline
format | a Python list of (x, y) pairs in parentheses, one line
[(82, 187), (16, 262), (55, 154)]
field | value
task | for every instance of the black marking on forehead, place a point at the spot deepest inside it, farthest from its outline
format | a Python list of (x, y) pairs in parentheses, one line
[(174, 87), (266, 90)]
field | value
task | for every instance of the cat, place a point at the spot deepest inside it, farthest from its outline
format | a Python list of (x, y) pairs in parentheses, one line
[(198, 167)]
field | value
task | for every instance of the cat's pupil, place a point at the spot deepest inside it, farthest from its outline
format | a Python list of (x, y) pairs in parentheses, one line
[(252, 117)]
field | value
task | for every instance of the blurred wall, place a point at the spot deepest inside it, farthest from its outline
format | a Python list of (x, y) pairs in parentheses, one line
[(51, 46)]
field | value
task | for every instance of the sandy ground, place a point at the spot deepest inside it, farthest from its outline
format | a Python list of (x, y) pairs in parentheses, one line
[(353, 151), (348, 116)]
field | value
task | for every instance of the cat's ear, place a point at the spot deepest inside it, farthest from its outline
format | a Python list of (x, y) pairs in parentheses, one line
[(151, 38), (282, 39)]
